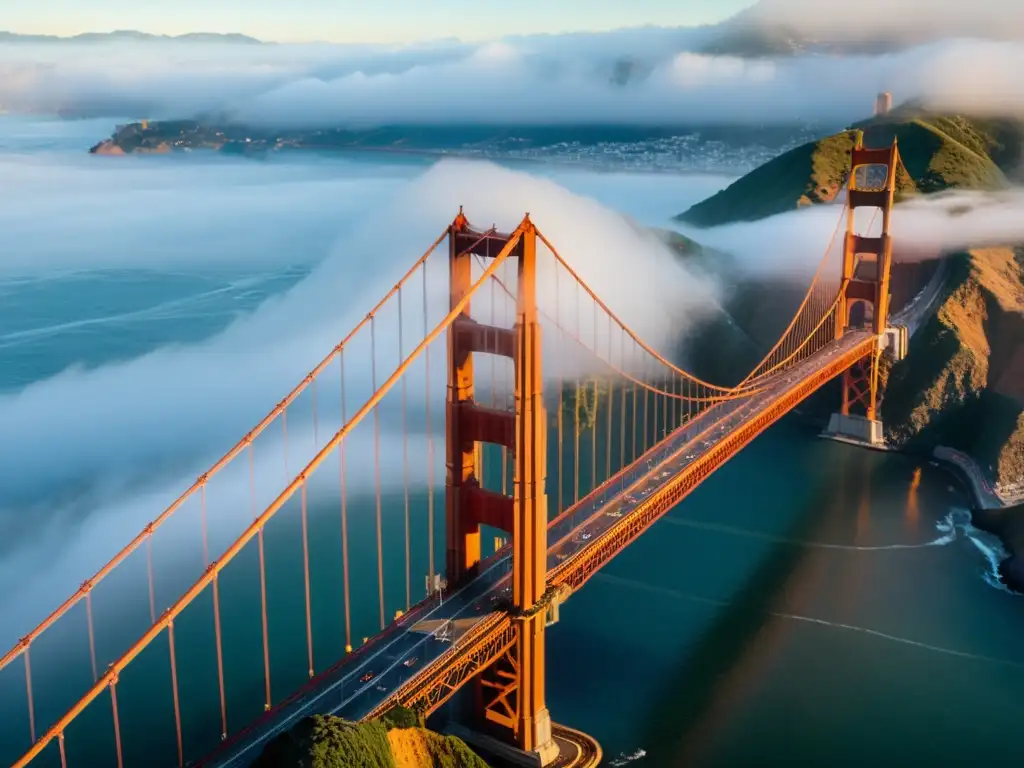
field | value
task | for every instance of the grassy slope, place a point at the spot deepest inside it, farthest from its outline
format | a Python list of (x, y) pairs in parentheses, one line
[(938, 153), (395, 741), (957, 386), (810, 173)]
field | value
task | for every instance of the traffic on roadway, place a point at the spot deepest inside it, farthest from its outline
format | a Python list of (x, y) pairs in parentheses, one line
[(369, 678)]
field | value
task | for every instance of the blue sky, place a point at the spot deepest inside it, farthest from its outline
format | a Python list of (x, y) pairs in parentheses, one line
[(356, 20)]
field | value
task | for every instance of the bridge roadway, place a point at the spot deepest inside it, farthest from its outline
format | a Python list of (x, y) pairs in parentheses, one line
[(404, 653)]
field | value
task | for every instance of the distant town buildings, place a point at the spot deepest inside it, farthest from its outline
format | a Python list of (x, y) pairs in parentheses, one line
[(883, 103)]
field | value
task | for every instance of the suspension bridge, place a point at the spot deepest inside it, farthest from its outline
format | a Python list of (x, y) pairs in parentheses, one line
[(523, 411)]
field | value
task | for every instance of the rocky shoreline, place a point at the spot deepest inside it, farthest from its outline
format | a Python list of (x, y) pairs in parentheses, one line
[(1007, 523), (992, 514)]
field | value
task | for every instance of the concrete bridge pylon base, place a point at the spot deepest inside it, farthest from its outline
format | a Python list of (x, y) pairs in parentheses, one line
[(857, 430)]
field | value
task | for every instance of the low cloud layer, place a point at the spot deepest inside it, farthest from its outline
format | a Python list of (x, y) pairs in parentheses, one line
[(891, 19), (923, 228), (92, 454), (570, 79)]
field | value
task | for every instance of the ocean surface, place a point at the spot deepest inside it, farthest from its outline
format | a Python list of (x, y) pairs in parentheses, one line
[(809, 604)]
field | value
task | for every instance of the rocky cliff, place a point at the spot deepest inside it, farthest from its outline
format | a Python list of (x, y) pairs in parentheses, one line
[(962, 383)]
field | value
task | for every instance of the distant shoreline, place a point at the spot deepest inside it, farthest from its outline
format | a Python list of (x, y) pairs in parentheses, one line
[(555, 162)]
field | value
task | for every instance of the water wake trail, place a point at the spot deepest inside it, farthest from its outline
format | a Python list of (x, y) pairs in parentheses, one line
[(679, 595), (947, 538), (957, 521), (155, 312)]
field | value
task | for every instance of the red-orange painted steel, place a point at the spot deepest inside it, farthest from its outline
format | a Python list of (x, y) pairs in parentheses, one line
[(344, 523), (521, 640), (117, 723), (166, 620), (220, 660), (28, 693), (489, 640), (174, 693), (305, 580)]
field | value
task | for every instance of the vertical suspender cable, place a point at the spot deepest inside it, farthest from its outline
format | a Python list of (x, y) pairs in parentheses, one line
[(666, 404), (149, 576), (92, 633), (634, 454), (576, 412), (622, 407), (654, 397), (28, 692), (63, 753), (561, 395), (593, 439), (643, 377), (597, 412), (316, 424), (305, 575), (202, 515), (504, 448), (430, 443), (405, 455), (117, 724), (174, 692), (611, 406), (376, 471), (344, 513), (284, 432), (263, 584), (220, 657), (576, 444)]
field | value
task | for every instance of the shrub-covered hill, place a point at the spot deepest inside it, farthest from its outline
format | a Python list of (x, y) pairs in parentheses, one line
[(397, 740), (938, 152), (962, 383)]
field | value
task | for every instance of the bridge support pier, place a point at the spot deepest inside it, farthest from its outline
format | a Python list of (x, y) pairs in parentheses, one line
[(851, 428)]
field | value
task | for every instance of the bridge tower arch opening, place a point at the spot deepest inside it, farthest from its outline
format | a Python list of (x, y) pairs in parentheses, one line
[(510, 693), (864, 292)]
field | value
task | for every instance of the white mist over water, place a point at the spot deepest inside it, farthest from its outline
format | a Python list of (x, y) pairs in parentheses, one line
[(93, 454), (923, 228)]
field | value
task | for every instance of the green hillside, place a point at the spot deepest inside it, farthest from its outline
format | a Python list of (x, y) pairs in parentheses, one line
[(397, 740), (938, 153)]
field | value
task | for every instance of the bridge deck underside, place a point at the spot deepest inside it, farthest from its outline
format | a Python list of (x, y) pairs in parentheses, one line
[(426, 656)]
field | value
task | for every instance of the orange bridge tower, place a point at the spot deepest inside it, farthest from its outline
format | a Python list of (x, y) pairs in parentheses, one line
[(510, 692), (864, 292)]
